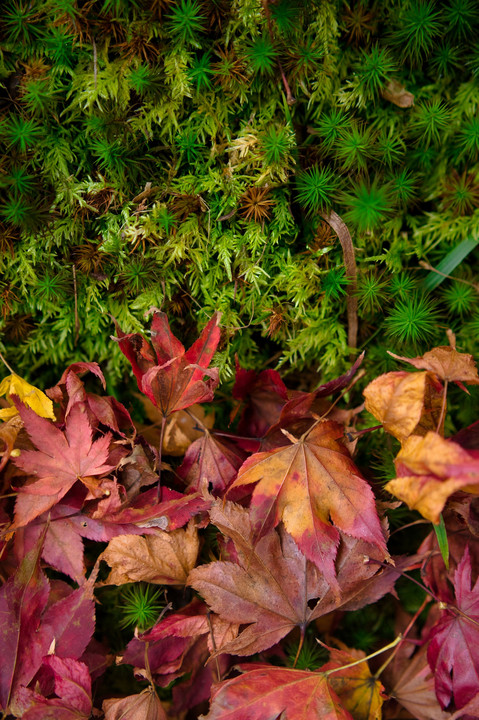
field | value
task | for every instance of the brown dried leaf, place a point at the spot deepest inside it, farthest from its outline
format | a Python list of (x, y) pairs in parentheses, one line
[(397, 94), (164, 558), (144, 706), (405, 403), (446, 363)]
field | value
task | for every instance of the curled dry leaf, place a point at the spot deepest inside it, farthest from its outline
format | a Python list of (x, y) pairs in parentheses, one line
[(164, 558), (397, 94), (405, 403), (430, 469), (447, 364), (144, 706)]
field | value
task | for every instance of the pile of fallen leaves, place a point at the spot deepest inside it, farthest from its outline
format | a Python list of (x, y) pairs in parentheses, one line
[(260, 538)]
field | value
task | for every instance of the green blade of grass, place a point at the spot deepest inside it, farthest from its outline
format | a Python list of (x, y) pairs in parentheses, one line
[(449, 263), (441, 534)]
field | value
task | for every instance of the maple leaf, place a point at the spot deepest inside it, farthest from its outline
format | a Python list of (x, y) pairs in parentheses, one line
[(211, 461), (161, 557), (265, 394), (447, 364), (15, 386), (265, 691), (22, 600), (412, 685), (70, 391), (180, 644), (272, 587), (143, 706), (453, 650), (359, 692), (30, 628), (60, 460), (307, 483), (170, 376), (405, 403), (429, 469), (73, 689)]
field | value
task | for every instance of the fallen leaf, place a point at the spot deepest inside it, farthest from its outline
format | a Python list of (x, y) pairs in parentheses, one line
[(313, 486), (73, 689), (453, 650), (396, 93), (8, 435), (22, 601), (445, 362), (429, 469), (413, 688), (179, 645), (266, 691), (405, 403), (264, 394), (60, 460), (143, 706), (163, 558), (359, 692), (170, 376), (28, 394), (211, 462), (272, 587), (181, 429)]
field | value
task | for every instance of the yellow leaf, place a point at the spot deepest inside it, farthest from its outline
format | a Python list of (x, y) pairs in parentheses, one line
[(28, 394)]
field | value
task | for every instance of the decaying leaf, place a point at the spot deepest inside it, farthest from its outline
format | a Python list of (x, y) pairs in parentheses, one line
[(313, 486), (405, 403), (144, 706), (447, 363), (28, 394), (164, 558), (397, 94), (273, 588), (429, 469), (413, 688)]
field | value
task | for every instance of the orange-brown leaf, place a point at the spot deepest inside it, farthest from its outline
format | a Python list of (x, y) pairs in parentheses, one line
[(447, 364), (144, 706), (405, 403), (430, 469), (161, 558)]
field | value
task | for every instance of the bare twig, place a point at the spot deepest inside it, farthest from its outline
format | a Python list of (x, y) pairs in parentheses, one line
[(341, 230)]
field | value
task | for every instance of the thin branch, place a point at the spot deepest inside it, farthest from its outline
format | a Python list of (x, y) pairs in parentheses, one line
[(341, 230)]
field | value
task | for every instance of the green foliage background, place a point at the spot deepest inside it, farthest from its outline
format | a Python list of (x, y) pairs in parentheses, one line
[(152, 155)]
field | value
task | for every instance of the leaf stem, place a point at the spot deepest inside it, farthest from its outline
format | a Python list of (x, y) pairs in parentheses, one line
[(6, 364), (391, 645)]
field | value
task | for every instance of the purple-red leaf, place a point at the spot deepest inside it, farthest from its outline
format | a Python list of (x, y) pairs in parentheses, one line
[(453, 651)]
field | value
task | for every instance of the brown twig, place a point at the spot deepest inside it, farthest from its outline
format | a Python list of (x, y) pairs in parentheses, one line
[(341, 230)]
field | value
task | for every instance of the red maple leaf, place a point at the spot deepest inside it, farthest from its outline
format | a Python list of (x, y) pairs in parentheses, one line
[(60, 460), (453, 651), (170, 376)]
